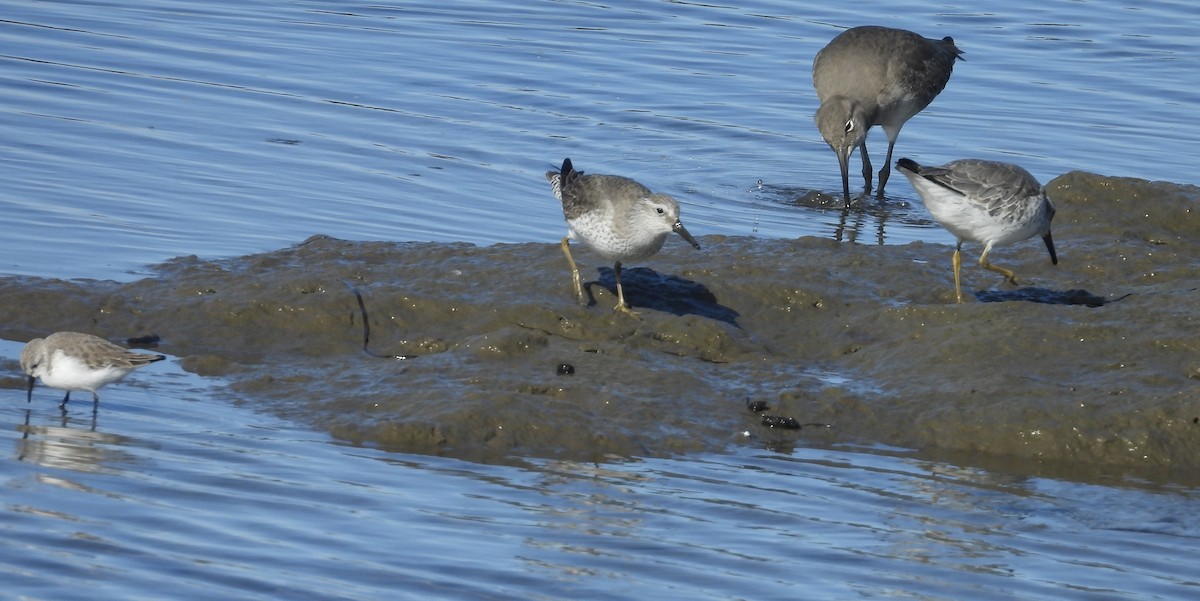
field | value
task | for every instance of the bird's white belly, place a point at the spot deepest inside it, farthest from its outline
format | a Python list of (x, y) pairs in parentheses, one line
[(971, 222), (68, 373)]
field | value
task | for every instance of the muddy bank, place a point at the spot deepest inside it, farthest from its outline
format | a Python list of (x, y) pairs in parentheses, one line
[(865, 338)]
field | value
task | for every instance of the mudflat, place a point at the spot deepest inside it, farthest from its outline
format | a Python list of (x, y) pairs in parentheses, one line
[(1091, 365)]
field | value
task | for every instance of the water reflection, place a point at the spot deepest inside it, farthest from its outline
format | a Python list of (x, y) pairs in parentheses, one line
[(72, 443), (864, 220)]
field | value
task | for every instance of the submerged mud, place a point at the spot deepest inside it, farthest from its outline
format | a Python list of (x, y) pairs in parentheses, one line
[(1101, 372)]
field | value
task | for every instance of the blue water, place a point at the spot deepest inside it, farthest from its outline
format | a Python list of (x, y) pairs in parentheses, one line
[(170, 493), (137, 131), (140, 131)]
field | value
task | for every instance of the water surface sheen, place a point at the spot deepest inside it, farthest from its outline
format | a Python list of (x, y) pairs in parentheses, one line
[(140, 131), (167, 485), (137, 132)]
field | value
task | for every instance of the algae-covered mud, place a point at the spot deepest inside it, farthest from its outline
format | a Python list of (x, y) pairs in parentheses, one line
[(1102, 371)]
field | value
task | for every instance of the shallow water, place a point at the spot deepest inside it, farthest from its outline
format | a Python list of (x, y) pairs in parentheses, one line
[(139, 132), (170, 486)]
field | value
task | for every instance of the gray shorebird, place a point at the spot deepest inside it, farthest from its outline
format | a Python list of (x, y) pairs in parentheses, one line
[(72, 361), (989, 202), (615, 216), (876, 76)]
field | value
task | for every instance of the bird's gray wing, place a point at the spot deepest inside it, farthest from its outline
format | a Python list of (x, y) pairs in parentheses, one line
[(991, 185), (582, 193)]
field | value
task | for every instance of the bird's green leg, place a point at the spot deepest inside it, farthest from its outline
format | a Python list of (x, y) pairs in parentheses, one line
[(622, 306), (1007, 273), (566, 248), (957, 262)]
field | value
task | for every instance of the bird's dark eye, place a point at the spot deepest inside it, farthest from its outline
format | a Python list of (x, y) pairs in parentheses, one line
[(660, 211), (849, 126)]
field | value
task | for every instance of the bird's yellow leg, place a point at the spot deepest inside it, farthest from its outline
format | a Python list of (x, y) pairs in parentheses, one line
[(622, 306), (1007, 273), (957, 262), (574, 271)]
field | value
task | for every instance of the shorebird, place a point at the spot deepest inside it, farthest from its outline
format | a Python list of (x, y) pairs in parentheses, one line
[(72, 361), (615, 216), (876, 76), (989, 202)]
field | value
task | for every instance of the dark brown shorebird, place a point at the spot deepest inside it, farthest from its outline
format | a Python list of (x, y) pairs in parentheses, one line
[(615, 216), (874, 75), (989, 202), (72, 361)]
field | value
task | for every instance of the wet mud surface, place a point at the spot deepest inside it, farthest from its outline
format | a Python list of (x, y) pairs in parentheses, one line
[(1093, 364)]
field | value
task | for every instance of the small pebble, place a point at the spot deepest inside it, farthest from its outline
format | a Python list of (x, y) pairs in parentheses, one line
[(756, 406), (151, 340), (565, 369)]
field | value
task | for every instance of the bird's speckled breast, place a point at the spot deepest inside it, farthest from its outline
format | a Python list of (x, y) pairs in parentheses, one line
[(613, 240)]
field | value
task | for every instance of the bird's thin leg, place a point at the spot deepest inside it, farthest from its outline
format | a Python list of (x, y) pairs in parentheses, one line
[(622, 306), (887, 167), (95, 402), (957, 261), (866, 164), (566, 248), (1007, 273), (63, 404)]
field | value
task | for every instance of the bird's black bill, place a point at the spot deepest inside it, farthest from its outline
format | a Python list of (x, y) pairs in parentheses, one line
[(907, 164), (1050, 247), (682, 231), (844, 165), (29, 395)]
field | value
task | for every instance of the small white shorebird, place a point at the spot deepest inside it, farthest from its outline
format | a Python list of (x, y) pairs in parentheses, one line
[(72, 361), (874, 75), (989, 202), (615, 216)]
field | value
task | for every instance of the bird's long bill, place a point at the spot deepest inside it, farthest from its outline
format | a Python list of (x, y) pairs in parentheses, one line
[(29, 395), (682, 231), (843, 155), (1050, 247)]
